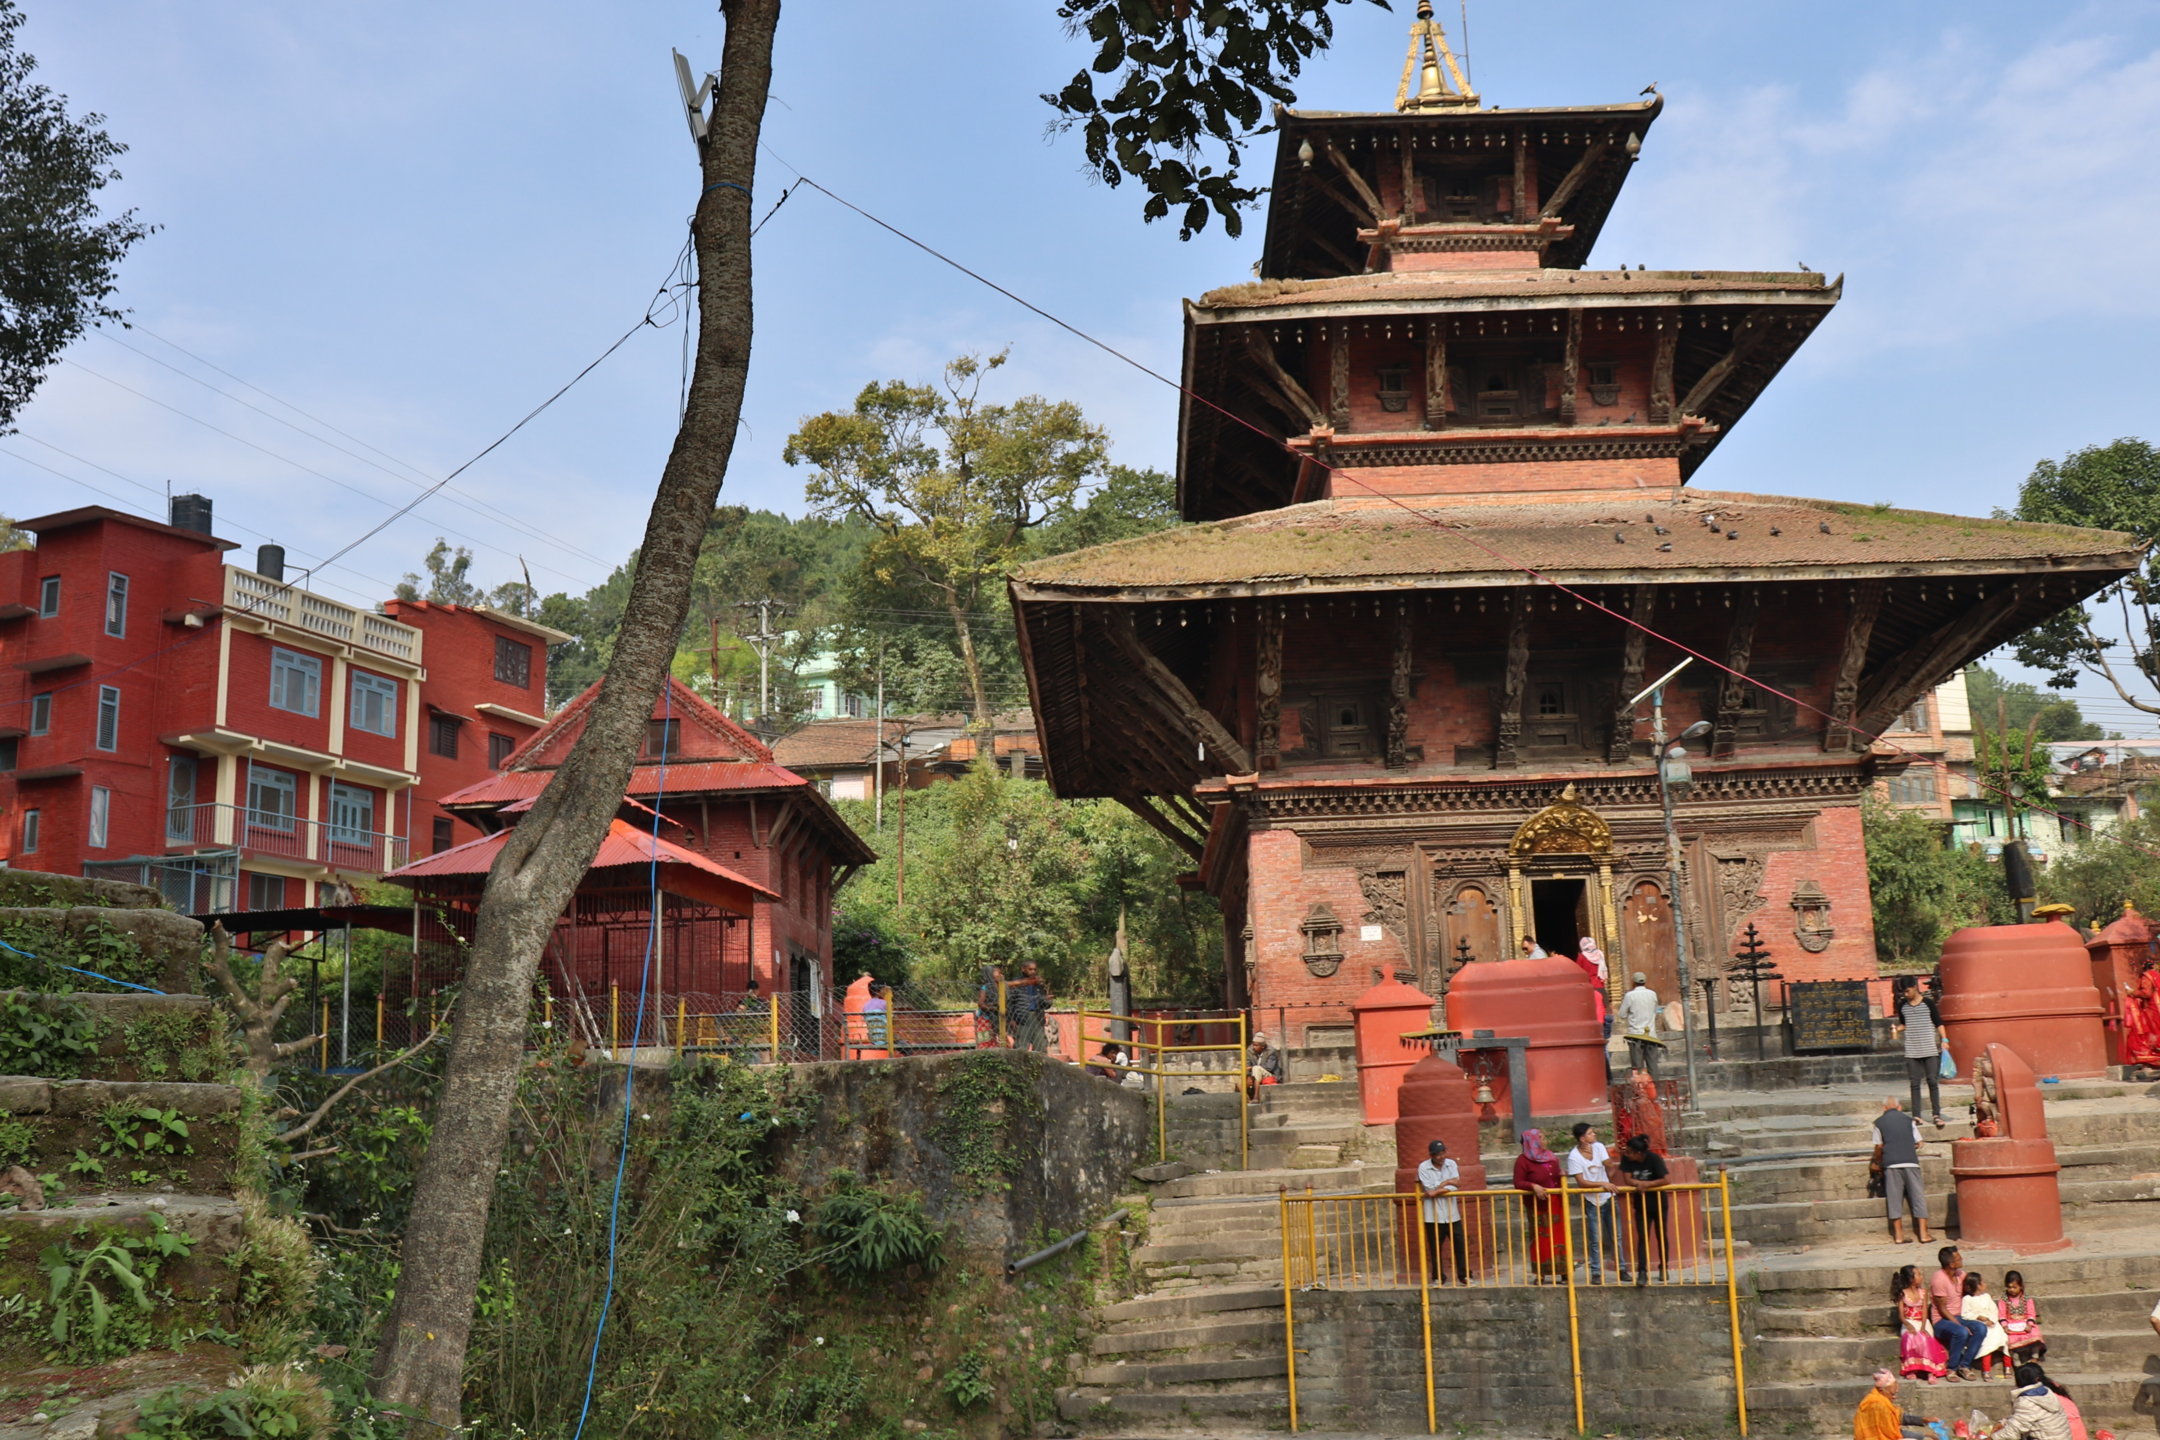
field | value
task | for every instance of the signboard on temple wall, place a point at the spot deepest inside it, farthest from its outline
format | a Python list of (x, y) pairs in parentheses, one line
[(1827, 1016)]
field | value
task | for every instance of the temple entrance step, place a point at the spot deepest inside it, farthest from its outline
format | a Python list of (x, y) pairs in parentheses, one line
[(1261, 1182)]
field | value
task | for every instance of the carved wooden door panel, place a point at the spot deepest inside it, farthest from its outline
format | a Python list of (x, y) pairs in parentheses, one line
[(1647, 934), (1470, 914)]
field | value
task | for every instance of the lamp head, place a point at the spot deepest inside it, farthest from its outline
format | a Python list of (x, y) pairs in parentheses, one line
[(1696, 731)]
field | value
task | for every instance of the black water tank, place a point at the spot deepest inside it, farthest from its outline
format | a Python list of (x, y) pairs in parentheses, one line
[(270, 562), (191, 512)]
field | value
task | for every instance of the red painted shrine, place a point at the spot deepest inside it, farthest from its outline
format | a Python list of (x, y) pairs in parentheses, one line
[(1352, 690), (748, 857)]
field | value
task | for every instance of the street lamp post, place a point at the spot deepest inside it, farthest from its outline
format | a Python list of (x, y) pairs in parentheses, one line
[(1674, 774)]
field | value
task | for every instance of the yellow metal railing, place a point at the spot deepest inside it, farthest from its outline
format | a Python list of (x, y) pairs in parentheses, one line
[(1162, 1068), (1659, 1239)]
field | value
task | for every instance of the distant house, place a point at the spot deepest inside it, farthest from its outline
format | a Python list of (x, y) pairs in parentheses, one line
[(842, 756)]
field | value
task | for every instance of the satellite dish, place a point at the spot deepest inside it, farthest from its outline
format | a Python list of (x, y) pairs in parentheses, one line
[(693, 97)]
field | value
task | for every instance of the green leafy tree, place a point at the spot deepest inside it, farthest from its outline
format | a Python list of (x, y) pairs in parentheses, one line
[(60, 262), (2106, 872), (1003, 884), (2013, 769), (2019, 704), (1923, 887), (2111, 487), (1192, 79), (950, 486)]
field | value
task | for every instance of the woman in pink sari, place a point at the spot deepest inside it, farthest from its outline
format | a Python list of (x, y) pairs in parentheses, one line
[(1919, 1352), (1537, 1172)]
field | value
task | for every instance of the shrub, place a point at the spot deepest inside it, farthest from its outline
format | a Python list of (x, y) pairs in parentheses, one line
[(863, 1232), (46, 1035)]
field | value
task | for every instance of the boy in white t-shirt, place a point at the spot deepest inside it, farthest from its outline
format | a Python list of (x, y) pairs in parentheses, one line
[(1586, 1172)]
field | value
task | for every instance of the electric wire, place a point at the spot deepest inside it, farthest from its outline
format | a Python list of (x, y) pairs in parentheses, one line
[(1465, 532), (464, 500)]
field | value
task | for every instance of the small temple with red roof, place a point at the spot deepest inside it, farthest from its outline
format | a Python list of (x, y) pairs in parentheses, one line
[(1438, 473), (748, 856)]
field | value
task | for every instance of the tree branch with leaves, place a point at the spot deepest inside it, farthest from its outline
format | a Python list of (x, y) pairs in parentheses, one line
[(2110, 487)]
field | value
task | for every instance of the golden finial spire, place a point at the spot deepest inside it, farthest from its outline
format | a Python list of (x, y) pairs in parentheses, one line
[(1429, 57)]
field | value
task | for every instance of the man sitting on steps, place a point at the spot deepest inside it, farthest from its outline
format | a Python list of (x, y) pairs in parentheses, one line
[(1946, 1298)]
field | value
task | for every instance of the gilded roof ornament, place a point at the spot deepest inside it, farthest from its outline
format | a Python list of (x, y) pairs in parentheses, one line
[(1440, 82)]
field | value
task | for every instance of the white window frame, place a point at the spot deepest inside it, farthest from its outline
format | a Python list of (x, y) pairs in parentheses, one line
[(116, 601), (48, 596), (343, 796), (100, 817), (382, 692), (179, 812), (277, 782), (108, 718), (284, 665), (41, 713), (33, 821)]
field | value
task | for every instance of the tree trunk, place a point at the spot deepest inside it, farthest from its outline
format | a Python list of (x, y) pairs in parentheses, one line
[(978, 694), (420, 1363)]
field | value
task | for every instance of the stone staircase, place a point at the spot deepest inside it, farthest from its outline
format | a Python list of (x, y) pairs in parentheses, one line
[(147, 1141)]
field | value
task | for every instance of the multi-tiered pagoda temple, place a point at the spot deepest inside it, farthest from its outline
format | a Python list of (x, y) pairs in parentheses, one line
[(1355, 691)]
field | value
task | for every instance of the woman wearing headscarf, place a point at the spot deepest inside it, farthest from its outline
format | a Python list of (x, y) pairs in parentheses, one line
[(1537, 1173), (1592, 961)]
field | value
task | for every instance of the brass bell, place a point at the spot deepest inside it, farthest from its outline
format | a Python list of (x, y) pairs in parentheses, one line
[(1484, 1094)]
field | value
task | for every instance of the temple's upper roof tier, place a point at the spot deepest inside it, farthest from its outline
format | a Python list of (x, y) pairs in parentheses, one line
[(1446, 187), (1363, 544)]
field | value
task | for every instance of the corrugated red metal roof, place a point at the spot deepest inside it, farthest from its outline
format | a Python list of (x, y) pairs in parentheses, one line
[(692, 778), (625, 845)]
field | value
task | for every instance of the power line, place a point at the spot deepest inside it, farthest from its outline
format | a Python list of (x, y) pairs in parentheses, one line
[(466, 500)]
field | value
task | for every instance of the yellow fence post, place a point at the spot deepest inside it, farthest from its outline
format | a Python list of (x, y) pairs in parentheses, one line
[(1574, 1330), (682, 1010), (1289, 1323), (1162, 1100), (322, 1034), (1424, 1300), (772, 1025), (1732, 1299), (1244, 1120), (547, 1009), (614, 1014), (378, 1021)]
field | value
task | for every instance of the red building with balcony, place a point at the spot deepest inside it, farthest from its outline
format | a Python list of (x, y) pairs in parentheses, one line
[(169, 717)]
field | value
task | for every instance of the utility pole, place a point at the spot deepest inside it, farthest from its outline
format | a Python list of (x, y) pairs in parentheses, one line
[(877, 773), (1673, 774), (763, 642), (900, 863)]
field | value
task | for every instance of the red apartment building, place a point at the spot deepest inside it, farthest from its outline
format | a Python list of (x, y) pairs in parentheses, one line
[(235, 739)]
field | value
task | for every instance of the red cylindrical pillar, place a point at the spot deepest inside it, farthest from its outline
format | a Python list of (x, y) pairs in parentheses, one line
[(2007, 1193), (2029, 987), (1546, 1002), (1435, 1103), (1383, 1015)]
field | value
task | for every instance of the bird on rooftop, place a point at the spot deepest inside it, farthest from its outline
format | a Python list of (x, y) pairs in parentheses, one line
[(1805, 267), (1666, 546), (1618, 538), (1732, 534), (1775, 531), (1824, 526), (1649, 89), (1660, 530)]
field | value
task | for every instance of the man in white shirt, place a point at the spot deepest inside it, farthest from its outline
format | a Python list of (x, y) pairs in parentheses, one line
[(1531, 950), (1437, 1178), (1638, 1022), (1601, 1227)]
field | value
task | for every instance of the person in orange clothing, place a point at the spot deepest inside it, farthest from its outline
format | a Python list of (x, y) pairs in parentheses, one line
[(1879, 1417)]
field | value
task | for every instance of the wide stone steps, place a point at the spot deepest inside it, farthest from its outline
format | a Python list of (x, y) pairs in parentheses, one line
[(1203, 1357), (1262, 1182), (91, 1132), (2116, 1401), (1798, 1357), (2072, 1313)]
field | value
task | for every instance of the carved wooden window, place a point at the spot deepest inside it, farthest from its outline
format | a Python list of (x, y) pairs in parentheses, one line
[(1394, 388), (1604, 382), (1332, 725), (1555, 708)]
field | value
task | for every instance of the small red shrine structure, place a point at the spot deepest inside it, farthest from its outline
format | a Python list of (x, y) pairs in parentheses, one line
[(748, 857), (1353, 691)]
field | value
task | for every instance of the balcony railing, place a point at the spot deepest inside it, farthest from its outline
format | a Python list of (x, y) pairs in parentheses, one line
[(286, 837), (250, 594)]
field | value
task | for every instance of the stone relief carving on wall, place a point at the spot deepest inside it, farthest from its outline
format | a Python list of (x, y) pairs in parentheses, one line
[(1811, 917), (1387, 902), (1323, 940)]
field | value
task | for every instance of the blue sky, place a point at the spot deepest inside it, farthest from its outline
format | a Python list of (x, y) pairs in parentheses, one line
[(414, 221)]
